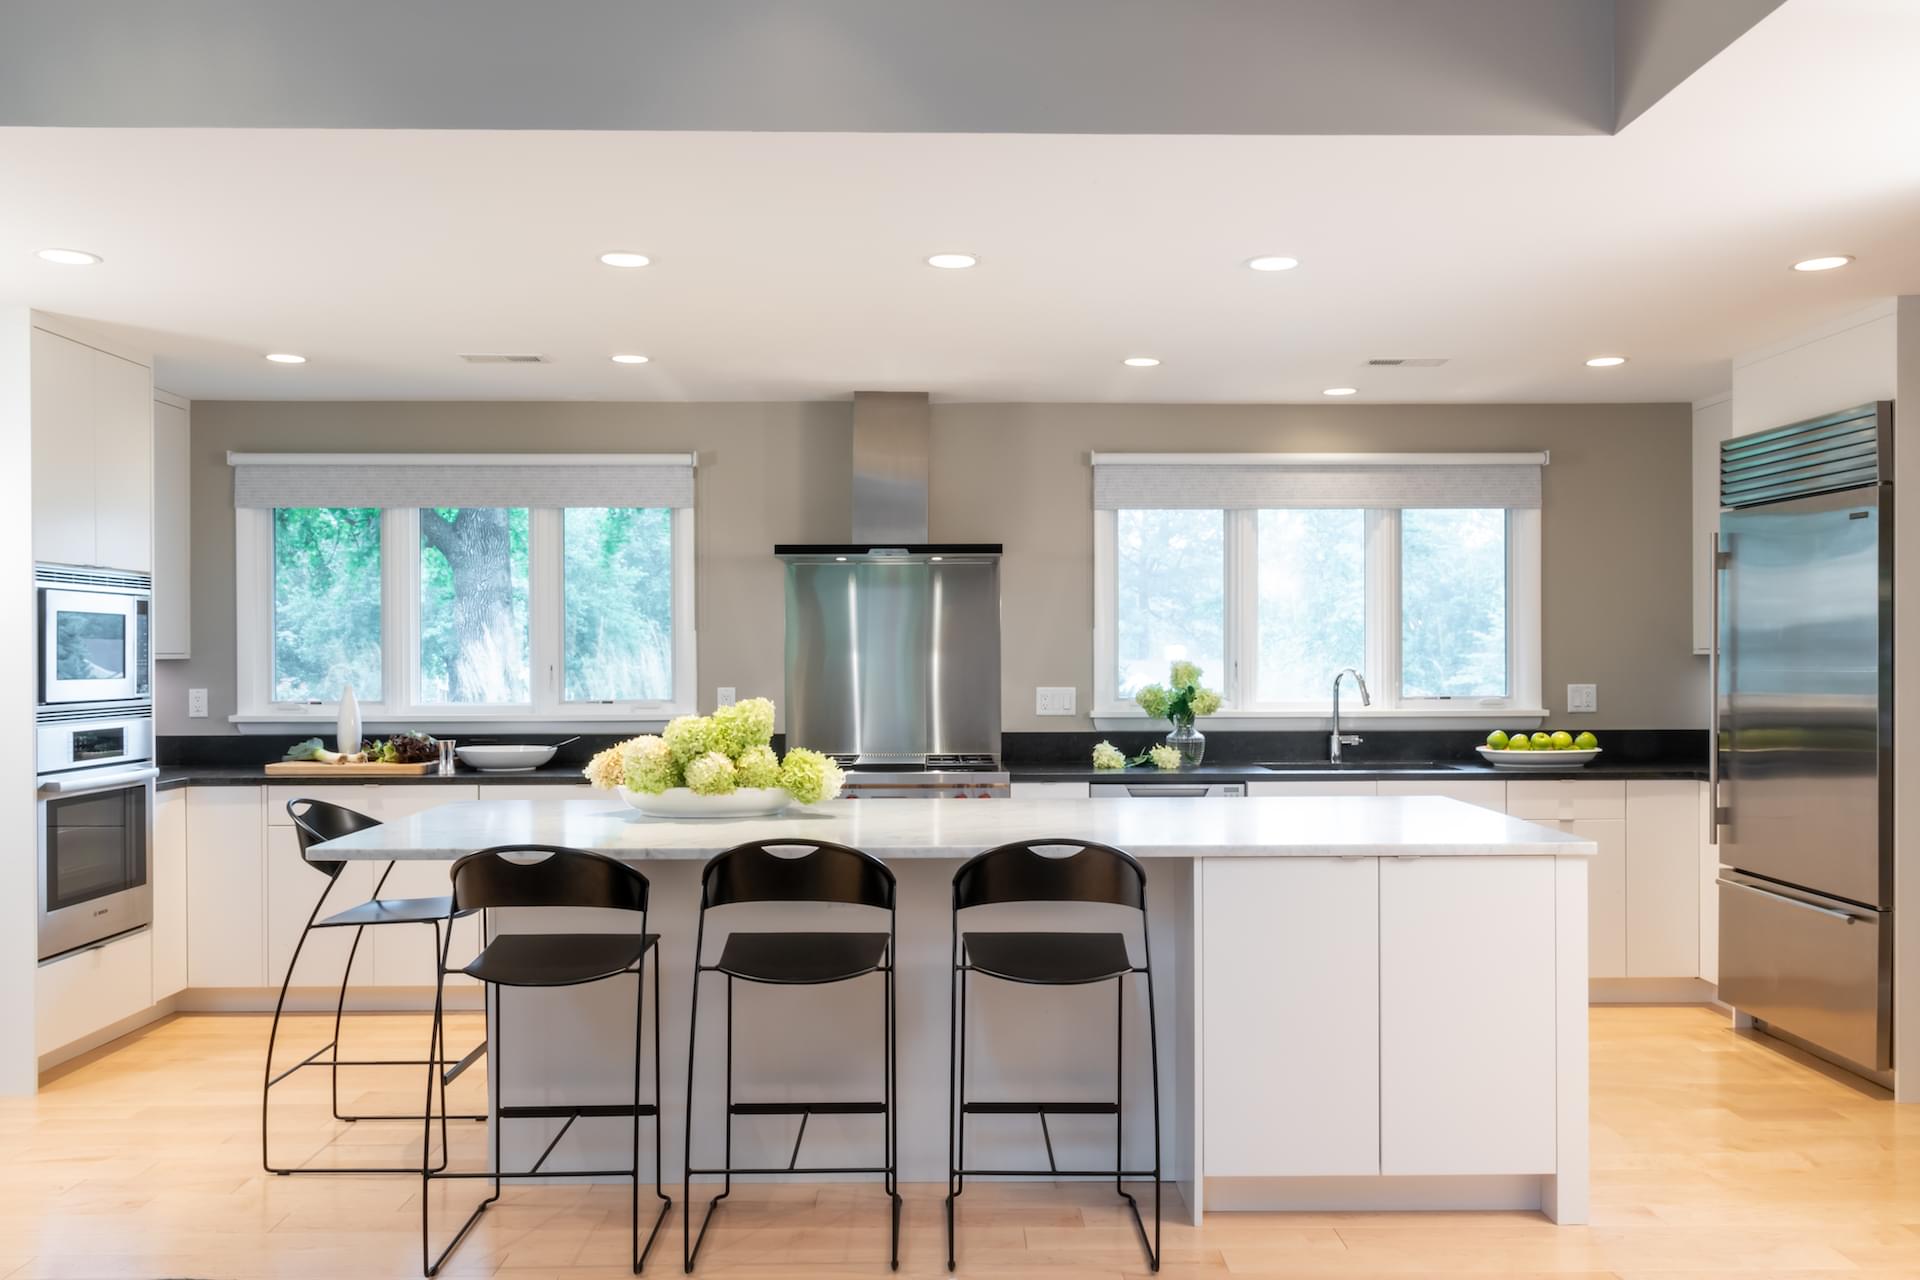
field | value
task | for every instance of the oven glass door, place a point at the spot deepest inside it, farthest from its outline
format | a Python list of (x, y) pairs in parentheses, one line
[(90, 647), (96, 846)]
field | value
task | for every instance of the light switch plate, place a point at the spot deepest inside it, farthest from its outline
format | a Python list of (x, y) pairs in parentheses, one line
[(1053, 700), (197, 704), (724, 696), (1583, 697)]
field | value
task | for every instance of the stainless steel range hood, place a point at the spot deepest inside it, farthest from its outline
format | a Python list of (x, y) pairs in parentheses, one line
[(893, 642)]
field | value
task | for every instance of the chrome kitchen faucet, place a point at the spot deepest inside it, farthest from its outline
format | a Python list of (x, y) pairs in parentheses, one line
[(1340, 739)]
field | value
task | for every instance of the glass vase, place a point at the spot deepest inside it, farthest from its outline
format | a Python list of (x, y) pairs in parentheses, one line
[(1189, 742)]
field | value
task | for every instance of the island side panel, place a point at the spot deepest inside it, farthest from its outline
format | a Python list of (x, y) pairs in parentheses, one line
[(1564, 1194)]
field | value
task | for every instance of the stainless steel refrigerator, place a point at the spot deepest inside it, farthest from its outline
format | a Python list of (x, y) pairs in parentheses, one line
[(1803, 732)]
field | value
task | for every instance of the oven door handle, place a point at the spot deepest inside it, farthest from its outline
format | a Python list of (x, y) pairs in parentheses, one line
[(97, 782)]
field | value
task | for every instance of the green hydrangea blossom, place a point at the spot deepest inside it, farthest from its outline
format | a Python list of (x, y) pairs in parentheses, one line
[(711, 774), (687, 737), (743, 725), (810, 777), (1164, 756), (1108, 756), (650, 768), (758, 767), (1181, 699)]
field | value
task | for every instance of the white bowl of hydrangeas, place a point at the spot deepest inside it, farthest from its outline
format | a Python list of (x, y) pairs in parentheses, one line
[(717, 766)]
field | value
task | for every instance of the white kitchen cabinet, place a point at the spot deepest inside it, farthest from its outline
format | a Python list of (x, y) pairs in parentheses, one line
[(1596, 811), (1663, 879), (169, 894), (1487, 793), (1050, 790), (1291, 1062), (1709, 888), (1314, 787), (92, 455), (226, 888), (1467, 1016), (292, 887), (172, 528), (88, 991), (1712, 423), (570, 791)]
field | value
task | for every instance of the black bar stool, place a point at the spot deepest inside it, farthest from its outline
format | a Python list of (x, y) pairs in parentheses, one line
[(315, 822), (813, 871), (1084, 872), (511, 876)]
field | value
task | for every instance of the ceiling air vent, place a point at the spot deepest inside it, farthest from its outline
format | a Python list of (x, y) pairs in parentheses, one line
[(1407, 362), (481, 357)]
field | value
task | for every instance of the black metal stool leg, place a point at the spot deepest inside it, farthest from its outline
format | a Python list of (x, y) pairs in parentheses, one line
[(273, 1037), (892, 1134)]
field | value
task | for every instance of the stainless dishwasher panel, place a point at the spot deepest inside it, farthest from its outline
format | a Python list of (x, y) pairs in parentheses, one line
[(1164, 790), (1811, 966)]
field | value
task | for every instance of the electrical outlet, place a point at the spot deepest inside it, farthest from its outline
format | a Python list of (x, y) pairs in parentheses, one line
[(197, 704), (724, 696), (1583, 697), (1054, 700)]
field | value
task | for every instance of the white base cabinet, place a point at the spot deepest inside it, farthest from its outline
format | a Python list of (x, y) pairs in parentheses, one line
[(226, 884), (169, 876), (1595, 811), (79, 994)]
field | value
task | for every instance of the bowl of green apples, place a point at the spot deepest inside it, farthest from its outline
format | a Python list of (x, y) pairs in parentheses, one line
[(1544, 749)]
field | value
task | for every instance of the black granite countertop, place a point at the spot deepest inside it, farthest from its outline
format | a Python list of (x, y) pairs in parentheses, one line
[(175, 776)]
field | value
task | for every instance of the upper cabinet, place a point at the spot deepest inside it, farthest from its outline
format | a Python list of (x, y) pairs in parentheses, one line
[(92, 455), (172, 527), (1712, 423)]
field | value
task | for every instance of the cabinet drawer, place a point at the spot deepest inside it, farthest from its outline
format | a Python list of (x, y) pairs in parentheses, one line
[(1318, 787), (383, 800), (79, 994), (544, 791), (1487, 793), (1566, 801), (1050, 790)]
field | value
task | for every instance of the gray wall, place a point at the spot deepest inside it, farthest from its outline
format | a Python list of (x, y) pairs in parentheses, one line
[(1617, 520)]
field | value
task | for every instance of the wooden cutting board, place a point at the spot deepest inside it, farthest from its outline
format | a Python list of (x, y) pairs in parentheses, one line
[(315, 769)]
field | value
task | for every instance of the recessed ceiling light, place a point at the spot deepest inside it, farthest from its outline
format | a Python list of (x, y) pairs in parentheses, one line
[(1341, 391), (285, 357), (1273, 264), (1827, 263), (839, 557), (70, 257), (936, 559), (629, 359), (952, 261), (1605, 362), (624, 258), (1140, 362)]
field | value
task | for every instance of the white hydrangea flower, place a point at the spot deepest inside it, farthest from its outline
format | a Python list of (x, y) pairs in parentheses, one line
[(1108, 756), (711, 775), (1164, 756)]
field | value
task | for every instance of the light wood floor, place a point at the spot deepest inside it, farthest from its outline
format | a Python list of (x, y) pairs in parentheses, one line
[(1713, 1155)]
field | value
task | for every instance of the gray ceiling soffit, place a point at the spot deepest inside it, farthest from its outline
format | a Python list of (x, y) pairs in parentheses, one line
[(1434, 67), (1659, 43)]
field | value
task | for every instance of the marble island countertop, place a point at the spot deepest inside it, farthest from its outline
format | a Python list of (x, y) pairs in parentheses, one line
[(1346, 826)]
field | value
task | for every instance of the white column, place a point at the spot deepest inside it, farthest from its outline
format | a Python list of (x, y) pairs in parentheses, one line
[(19, 875)]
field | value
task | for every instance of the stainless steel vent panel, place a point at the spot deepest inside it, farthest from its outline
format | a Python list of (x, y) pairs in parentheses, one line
[(1845, 450)]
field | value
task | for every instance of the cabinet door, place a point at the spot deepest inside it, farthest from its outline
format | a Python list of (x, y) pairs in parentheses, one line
[(169, 894), (581, 791), (1290, 1015), (1663, 879), (1606, 894), (1709, 889), (1712, 423), (1487, 793), (403, 955), (123, 462), (63, 475), (1467, 1028), (225, 888), (1050, 791), (172, 531), (292, 887), (1314, 787)]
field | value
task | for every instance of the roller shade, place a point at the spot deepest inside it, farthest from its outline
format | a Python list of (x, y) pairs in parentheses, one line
[(1232, 482), (430, 480)]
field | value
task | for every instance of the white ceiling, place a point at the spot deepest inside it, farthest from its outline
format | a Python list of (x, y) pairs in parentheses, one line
[(790, 265)]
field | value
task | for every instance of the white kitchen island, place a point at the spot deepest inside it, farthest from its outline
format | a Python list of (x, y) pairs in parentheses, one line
[(1364, 1002)]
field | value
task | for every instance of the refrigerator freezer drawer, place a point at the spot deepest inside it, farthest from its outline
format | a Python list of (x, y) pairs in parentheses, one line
[(1816, 968)]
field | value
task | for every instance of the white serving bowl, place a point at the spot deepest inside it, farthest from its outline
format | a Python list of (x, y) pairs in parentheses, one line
[(1537, 759), (504, 759), (679, 802)]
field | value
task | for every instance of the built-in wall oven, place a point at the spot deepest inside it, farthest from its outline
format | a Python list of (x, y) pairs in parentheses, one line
[(94, 635), (95, 827)]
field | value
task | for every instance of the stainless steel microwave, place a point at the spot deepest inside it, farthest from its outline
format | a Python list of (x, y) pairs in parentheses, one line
[(94, 635)]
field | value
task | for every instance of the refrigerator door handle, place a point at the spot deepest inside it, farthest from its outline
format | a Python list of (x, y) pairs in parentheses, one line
[(1845, 916), (1716, 814)]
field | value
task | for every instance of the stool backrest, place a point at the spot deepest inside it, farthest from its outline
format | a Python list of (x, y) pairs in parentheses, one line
[(1018, 872), (822, 872), (316, 822), (489, 880)]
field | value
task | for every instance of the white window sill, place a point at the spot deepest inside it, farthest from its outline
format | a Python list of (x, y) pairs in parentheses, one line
[(1434, 717), (451, 722)]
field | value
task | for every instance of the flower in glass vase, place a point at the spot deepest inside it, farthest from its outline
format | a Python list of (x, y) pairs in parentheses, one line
[(1182, 699)]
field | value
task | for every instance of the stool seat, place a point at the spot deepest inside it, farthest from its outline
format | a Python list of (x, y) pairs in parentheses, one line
[(389, 911), (557, 959), (800, 959), (1047, 959)]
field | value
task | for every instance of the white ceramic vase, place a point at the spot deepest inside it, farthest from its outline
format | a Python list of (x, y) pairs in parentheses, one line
[(347, 732)]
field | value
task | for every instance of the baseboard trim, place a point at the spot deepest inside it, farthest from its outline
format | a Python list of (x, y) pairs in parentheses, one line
[(1651, 991), (322, 999), (1373, 1194), (106, 1035)]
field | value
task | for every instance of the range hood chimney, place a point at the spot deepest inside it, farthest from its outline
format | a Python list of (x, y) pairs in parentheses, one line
[(890, 435)]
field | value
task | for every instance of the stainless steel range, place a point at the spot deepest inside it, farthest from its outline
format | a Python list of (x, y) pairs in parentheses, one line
[(959, 776)]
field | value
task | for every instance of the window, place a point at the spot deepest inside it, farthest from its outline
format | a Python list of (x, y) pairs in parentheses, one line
[(1277, 589), (467, 612)]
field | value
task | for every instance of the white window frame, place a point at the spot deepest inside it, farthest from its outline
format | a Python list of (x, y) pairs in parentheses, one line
[(1381, 666), (401, 707)]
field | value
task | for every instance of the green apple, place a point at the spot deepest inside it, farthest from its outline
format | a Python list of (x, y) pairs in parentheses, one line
[(1562, 740), (1543, 740), (1497, 739), (1519, 743), (1586, 742)]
